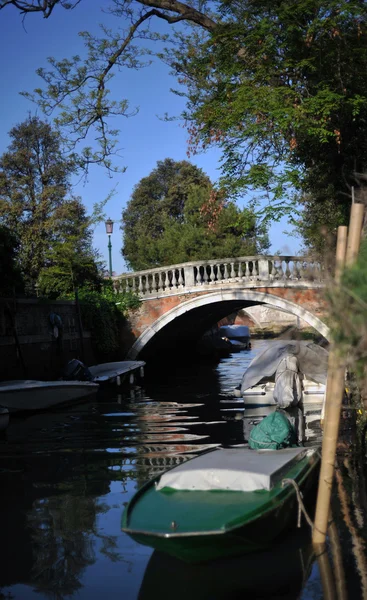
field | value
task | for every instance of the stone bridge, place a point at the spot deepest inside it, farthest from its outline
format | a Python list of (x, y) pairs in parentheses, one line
[(181, 302)]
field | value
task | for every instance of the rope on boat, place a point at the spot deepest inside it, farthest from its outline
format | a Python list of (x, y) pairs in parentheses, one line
[(301, 506)]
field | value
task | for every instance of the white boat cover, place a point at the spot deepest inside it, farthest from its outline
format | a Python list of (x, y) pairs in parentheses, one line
[(241, 470), (288, 387), (312, 361)]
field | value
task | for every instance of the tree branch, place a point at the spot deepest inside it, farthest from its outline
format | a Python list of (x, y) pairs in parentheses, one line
[(44, 6), (186, 12)]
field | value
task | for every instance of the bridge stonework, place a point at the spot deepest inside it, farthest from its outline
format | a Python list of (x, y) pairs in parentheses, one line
[(179, 303)]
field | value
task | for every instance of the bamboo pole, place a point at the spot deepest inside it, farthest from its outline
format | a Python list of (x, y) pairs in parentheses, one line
[(355, 230), (334, 396), (341, 248), (326, 574)]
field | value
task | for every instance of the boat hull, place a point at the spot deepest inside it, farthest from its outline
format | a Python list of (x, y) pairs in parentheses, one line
[(117, 372), (263, 394), (233, 535), (28, 395)]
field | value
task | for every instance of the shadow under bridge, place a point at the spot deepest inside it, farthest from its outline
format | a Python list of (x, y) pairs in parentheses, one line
[(177, 331)]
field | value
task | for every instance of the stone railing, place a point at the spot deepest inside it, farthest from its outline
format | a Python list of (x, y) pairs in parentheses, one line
[(248, 271)]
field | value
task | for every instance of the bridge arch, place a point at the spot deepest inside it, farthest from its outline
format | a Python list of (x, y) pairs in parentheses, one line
[(238, 297)]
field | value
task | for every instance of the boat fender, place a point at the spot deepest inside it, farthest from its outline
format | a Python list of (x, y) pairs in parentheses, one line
[(56, 324)]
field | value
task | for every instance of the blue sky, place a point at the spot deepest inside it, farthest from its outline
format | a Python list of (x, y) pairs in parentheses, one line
[(144, 139)]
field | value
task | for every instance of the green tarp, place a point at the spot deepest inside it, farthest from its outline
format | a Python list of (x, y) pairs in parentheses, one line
[(272, 433)]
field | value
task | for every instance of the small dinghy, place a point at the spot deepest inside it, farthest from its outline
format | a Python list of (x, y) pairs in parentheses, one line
[(222, 503)]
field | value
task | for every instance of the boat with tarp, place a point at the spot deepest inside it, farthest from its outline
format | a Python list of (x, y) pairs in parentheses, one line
[(261, 383), (225, 502)]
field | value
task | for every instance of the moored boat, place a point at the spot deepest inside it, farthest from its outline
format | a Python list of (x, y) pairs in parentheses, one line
[(222, 503), (28, 394), (117, 372), (238, 336), (262, 394), (258, 382)]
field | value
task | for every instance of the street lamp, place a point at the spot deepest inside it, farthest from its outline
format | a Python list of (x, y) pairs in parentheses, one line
[(109, 231)]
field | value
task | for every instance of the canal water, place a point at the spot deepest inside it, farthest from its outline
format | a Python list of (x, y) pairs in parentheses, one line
[(66, 475)]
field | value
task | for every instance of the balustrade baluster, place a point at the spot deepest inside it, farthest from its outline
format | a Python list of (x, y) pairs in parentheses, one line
[(296, 273), (233, 272), (220, 272), (141, 286), (160, 281), (205, 275), (287, 269), (225, 273), (180, 279), (281, 270), (239, 273), (275, 270)]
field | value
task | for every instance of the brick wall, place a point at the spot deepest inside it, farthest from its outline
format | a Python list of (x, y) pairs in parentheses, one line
[(42, 354)]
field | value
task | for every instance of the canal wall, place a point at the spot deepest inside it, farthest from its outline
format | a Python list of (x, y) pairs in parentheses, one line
[(36, 345)]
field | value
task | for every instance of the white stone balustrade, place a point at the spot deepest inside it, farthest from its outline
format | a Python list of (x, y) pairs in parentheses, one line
[(246, 271)]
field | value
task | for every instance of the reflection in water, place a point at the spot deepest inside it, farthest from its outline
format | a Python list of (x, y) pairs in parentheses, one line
[(271, 574), (66, 475)]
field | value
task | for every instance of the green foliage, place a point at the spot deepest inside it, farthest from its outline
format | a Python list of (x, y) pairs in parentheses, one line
[(34, 180), (279, 86), (348, 314), (10, 277), (53, 231), (71, 261), (102, 313), (174, 216)]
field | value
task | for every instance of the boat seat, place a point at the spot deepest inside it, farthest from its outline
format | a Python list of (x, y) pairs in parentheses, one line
[(242, 470)]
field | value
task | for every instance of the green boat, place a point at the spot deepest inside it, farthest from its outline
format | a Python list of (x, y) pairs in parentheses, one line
[(225, 502)]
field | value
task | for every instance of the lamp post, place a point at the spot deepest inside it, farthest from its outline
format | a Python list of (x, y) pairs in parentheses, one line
[(109, 231)]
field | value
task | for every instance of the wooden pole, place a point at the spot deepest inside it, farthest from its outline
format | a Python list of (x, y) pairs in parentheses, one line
[(326, 574), (334, 397), (341, 248), (355, 230)]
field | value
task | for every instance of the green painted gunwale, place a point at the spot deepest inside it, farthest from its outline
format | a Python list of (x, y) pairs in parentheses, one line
[(257, 516)]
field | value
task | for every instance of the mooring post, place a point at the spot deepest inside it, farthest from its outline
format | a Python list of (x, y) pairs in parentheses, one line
[(334, 390)]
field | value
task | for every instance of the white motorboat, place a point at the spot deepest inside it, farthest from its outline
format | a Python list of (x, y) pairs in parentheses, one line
[(28, 394), (117, 372), (262, 394), (257, 385)]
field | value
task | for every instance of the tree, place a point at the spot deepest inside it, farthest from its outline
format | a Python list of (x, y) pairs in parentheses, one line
[(10, 278), (174, 215), (34, 181), (71, 262), (278, 85)]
